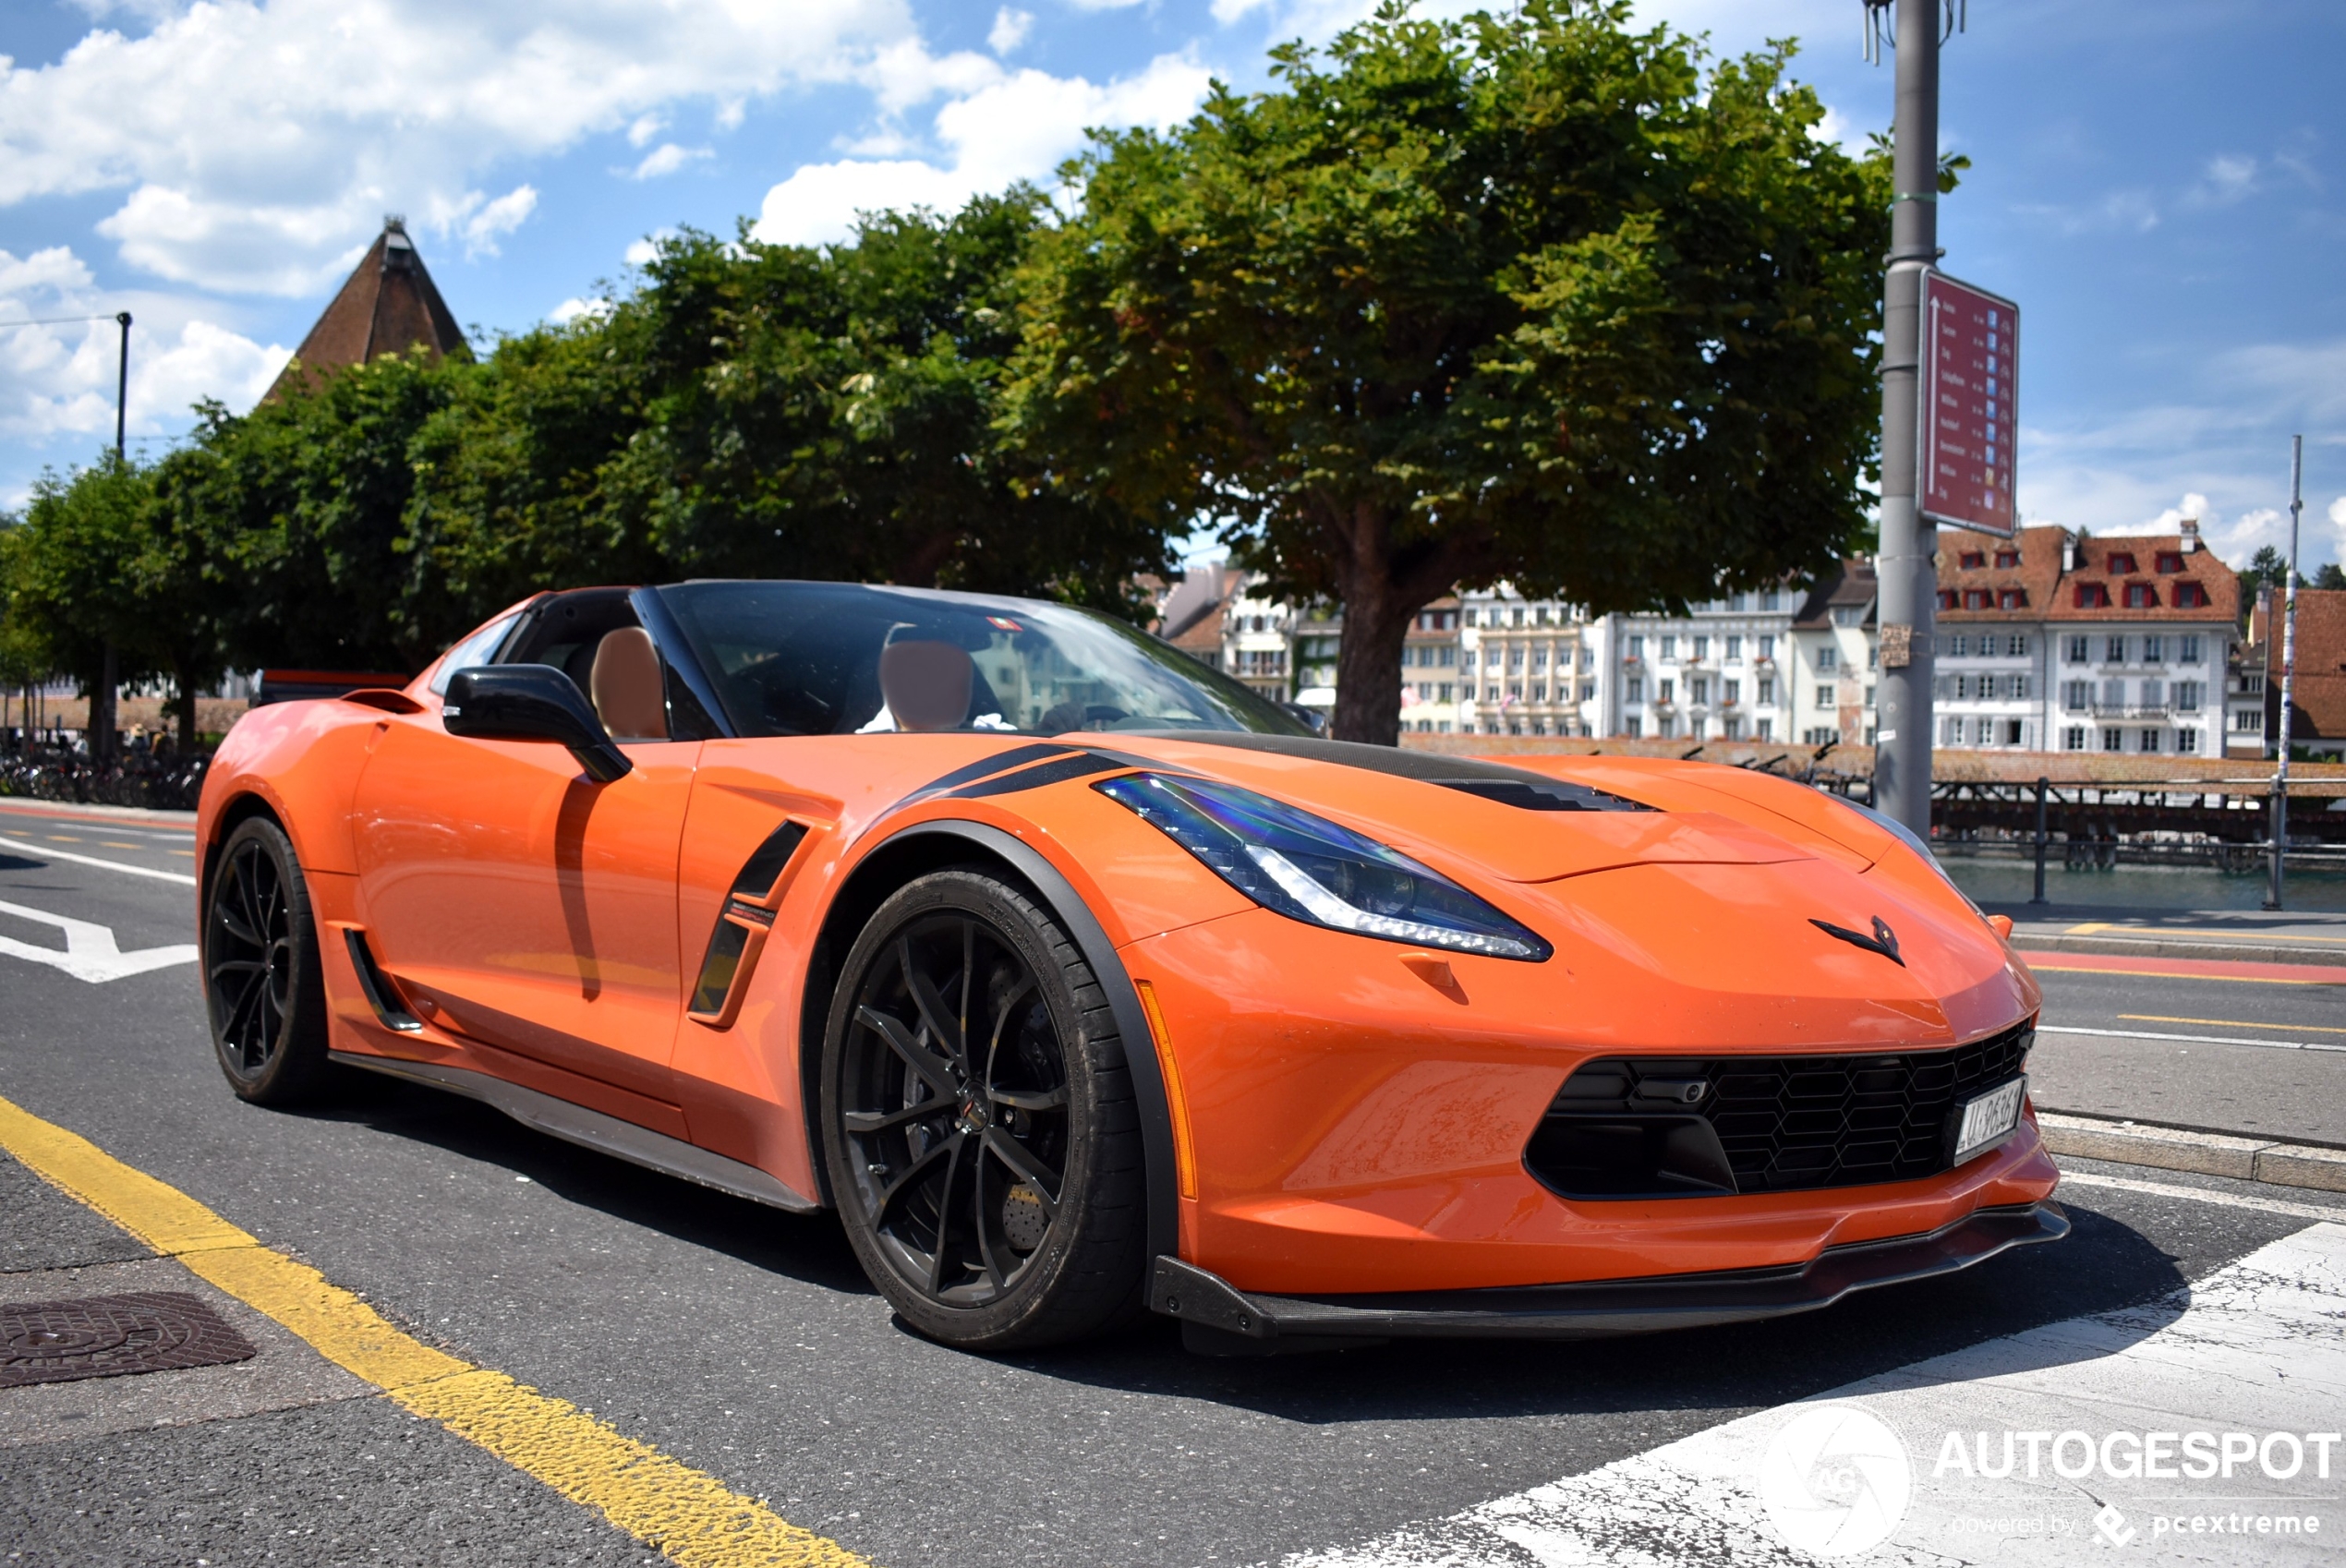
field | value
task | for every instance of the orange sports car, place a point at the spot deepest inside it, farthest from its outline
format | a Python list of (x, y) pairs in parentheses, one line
[(1081, 979)]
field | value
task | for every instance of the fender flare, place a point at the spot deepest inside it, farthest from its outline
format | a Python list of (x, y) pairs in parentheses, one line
[(1131, 1024)]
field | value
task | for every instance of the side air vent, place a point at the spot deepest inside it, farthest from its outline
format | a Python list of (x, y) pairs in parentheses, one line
[(382, 994), (740, 937)]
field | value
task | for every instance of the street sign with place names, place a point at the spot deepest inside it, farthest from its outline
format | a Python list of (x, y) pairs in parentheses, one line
[(1970, 407)]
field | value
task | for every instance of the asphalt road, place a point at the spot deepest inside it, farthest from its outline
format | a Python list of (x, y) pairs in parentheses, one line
[(745, 1344)]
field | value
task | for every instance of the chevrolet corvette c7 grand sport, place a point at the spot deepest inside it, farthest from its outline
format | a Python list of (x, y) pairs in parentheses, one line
[(1081, 981)]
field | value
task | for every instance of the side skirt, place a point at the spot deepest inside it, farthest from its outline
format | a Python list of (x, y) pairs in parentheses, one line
[(592, 1129)]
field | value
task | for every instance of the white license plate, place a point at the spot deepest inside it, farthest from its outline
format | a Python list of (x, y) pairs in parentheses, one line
[(1989, 1119)]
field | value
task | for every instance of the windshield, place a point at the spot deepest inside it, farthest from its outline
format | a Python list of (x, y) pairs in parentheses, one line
[(837, 658)]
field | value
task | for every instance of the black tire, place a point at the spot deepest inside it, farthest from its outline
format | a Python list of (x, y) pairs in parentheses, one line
[(263, 988), (987, 1161)]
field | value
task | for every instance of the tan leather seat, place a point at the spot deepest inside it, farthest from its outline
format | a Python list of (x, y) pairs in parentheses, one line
[(926, 684), (628, 687)]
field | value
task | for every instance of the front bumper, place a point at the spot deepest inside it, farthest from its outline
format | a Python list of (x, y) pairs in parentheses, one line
[(1218, 1318)]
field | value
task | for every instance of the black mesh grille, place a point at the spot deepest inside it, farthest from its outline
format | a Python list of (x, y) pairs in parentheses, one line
[(1622, 1127)]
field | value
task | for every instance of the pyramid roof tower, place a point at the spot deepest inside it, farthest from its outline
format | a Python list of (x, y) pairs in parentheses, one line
[(388, 306)]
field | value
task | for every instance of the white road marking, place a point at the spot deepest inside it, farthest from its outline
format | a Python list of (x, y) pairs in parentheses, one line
[(91, 952), (2257, 1347), (42, 851), (2190, 1039), (2204, 1195)]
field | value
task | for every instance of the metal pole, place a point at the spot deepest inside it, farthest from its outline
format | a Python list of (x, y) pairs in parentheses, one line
[(2040, 841), (2287, 670), (1908, 576), (122, 385)]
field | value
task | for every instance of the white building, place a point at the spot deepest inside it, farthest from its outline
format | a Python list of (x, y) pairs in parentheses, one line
[(1713, 674), (1523, 666), (1836, 656)]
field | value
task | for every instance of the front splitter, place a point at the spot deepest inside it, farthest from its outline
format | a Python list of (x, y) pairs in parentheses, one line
[(1217, 1317)]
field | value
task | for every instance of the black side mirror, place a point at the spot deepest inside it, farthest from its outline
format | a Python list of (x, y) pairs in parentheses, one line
[(532, 701)]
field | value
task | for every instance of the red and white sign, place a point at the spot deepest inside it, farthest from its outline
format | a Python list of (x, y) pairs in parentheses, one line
[(1970, 407)]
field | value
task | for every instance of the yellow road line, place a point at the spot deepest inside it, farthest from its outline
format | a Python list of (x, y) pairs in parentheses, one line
[(689, 1516), (2234, 1023), (2035, 968), (2234, 934)]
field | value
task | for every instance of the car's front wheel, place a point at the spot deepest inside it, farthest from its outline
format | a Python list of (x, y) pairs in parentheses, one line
[(262, 984), (978, 1120)]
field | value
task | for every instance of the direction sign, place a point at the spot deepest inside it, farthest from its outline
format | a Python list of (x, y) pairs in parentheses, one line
[(1970, 407)]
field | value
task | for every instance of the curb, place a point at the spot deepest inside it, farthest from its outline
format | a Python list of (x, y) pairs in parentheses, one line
[(2204, 1154), (2160, 948)]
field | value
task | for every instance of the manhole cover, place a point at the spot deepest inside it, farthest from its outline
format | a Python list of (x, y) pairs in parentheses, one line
[(107, 1336)]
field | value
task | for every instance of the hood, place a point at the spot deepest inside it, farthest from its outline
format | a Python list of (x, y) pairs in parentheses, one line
[(1508, 824)]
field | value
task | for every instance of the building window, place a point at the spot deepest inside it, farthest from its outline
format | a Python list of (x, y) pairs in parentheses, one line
[(2113, 740), (1766, 693), (1959, 647), (2169, 563), (1827, 659), (1670, 647), (2187, 650), (2115, 652), (1587, 691), (2141, 595), (1734, 647), (2188, 742), (1870, 696), (1731, 728), (2006, 560), (2249, 721), (2076, 696), (1951, 731), (1665, 690), (1539, 693), (2077, 651), (1444, 689), (2190, 596), (1636, 647), (1974, 560), (2113, 694), (1824, 696), (1633, 727), (1849, 615), (1491, 695), (2019, 691), (1699, 689), (1703, 647), (1730, 690), (1764, 729), (2119, 564), (1767, 647), (1949, 599), (1974, 598), (2092, 596), (2017, 648), (2154, 650), (2073, 737), (1634, 689), (2012, 732), (2010, 598), (1770, 600), (2150, 741)]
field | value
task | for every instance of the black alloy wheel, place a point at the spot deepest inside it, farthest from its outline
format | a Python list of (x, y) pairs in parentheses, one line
[(262, 985), (978, 1120)]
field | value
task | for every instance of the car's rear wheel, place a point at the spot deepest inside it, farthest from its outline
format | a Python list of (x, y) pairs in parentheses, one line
[(262, 983), (978, 1120)]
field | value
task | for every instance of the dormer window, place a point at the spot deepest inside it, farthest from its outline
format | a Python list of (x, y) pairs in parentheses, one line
[(1974, 598), (1974, 560), (2012, 599), (2169, 563), (2141, 595), (2092, 596), (2006, 560), (1949, 598), (2121, 563), (2190, 596)]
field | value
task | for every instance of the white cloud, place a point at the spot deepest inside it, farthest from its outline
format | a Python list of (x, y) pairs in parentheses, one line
[(571, 309), (643, 249), (481, 221), (666, 158), (1104, 5), (1015, 126), (1010, 29), (258, 142), (58, 380), (646, 128)]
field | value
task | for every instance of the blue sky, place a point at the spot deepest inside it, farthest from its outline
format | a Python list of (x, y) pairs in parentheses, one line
[(2160, 183)]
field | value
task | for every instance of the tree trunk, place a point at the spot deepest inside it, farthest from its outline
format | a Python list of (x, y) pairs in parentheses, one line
[(1381, 589), (186, 702), (100, 724)]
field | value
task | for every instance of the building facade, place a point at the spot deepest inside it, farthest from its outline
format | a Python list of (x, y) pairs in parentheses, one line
[(1834, 651), (1715, 674), (1522, 664)]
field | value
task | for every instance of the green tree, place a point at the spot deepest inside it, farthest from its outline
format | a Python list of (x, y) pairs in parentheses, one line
[(2331, 576), (1528, 298), (78, 597)]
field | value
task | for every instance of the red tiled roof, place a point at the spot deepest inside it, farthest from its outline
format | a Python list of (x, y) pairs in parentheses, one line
[(2218, 583), (2318, 692), (1989, 593)]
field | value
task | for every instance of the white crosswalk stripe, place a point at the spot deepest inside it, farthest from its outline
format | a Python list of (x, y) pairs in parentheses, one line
[(2257, 1348)]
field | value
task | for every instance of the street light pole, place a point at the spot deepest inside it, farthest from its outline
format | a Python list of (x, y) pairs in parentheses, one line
[(2288, 669), (122, 385), (1906, 571), (100, 722)]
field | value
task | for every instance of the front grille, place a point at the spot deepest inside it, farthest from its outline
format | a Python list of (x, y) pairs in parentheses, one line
[(1638, 1127)]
